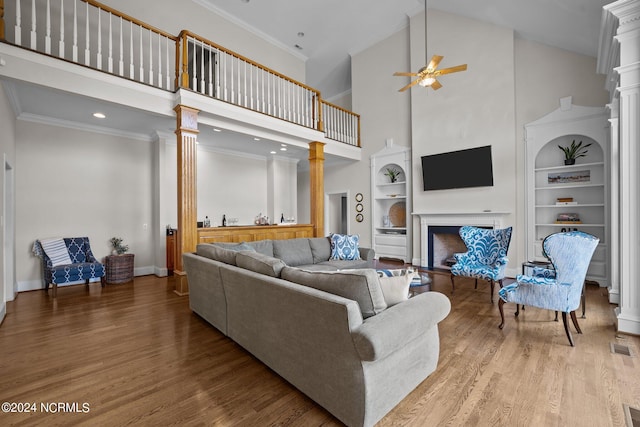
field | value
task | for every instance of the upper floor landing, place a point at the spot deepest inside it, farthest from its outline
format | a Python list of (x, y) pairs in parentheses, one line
[(86, 57)]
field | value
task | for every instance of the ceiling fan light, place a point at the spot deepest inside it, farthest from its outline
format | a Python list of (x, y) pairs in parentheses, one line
[(427, 81)]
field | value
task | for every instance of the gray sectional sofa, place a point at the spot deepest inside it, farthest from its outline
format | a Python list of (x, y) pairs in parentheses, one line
[(320, 324)]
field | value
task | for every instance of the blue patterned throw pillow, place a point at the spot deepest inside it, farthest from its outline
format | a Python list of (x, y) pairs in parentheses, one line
[(345, 246)]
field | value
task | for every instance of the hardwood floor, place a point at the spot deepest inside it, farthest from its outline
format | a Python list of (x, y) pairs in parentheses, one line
[(137, 355)]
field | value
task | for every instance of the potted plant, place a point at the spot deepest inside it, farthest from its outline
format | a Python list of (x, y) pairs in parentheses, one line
[(393, 174), (573, 151), (118, 247)]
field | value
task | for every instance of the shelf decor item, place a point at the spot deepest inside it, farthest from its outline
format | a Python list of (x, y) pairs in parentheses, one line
[(118, 247), (569, 177), (568, 218), (573, 151), (393, 174)]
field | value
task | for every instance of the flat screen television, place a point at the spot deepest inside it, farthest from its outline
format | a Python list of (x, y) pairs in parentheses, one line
[(458, 169)]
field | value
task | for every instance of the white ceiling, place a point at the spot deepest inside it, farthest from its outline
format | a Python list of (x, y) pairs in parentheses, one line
[(335, 29)]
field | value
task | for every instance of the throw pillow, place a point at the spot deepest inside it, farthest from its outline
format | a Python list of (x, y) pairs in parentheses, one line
[(345, 246), (395, 284)]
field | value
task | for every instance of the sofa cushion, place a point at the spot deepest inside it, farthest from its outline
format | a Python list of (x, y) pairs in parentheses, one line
[(395, 285), (260, 263), (338, 264), (345, 246), (217, 253), (320, 249), (293, 252), (263, 246), (361, 286)]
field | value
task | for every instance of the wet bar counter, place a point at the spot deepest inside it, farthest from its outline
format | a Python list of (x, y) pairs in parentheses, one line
[(250, 233)]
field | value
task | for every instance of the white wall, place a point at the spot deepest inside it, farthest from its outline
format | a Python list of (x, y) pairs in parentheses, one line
[(7, 152), (75, 183), (233, 185), (509, 82)]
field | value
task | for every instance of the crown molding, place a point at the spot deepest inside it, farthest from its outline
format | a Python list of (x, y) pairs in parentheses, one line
[(245, 26)]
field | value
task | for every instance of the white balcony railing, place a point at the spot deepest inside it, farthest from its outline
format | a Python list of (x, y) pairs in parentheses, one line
[(97, 36)]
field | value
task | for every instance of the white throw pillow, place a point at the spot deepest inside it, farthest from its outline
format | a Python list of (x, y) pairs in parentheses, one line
[(395, 286)]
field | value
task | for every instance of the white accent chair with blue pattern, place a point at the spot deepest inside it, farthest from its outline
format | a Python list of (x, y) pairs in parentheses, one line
[(570, 253), (486, 256)]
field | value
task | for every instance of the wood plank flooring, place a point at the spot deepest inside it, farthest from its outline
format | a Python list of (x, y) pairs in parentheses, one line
[(137, 356)]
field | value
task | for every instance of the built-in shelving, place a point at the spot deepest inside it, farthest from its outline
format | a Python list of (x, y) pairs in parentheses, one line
[(549, 179), (391, 221)]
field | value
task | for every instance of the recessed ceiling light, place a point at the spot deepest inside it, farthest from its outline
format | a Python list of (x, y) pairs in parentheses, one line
[(273, 152), (300, 34), (283, 149), (256, 139), (99, 115), (283, 145), (217, 130)]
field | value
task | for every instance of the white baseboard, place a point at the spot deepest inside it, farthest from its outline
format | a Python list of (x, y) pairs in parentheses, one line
[(627, 324), (3, 312)]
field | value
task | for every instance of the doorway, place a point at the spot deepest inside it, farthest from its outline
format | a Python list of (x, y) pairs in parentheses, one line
[(336, 213), (8, 234)]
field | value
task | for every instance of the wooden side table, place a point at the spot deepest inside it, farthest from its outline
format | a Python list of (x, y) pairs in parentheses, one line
[(118, 268)]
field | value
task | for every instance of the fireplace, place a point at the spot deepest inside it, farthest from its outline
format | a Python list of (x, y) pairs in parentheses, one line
[(443, 242), (439, 238)]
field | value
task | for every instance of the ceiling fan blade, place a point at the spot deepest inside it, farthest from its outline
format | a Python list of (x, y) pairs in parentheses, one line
[(398, 73), (436, 85), (435, 60), (413, 83), (450, 70)]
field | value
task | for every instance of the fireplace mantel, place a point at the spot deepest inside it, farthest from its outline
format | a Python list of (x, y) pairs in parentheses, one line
[(493, 219)]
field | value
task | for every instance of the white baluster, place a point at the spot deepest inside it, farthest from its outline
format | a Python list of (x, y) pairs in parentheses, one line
[(160, 62), (61, 41), (87, 52), (99, 54), (34, 35), (47, 37), (121, 61), (110, 60), (75, 31), (132, 74), (167, 65), (18, 29), (194, 78), (150, 57), (141, 58), (203, 85), (211, 58)]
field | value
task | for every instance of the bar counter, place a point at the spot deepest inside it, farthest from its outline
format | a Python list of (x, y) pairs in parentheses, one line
[(250, 233)]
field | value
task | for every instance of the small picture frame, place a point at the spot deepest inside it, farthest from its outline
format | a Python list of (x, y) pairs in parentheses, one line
[(359, 197), (359, 207), (359, 217)]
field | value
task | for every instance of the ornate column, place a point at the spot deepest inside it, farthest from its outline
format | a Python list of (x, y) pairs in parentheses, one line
[(627, 13), (187, 238), (613, 236), (316, 171)]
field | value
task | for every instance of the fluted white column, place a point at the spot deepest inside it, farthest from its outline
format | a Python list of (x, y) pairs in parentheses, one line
[(627, 35)]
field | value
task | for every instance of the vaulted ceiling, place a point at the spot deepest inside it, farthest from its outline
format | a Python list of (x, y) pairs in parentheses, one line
[(333, 30)]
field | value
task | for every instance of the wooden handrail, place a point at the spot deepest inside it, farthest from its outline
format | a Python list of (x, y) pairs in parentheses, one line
[(337, 107), (130, 18)]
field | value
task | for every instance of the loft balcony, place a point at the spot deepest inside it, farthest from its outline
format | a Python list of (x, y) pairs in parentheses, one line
[(82, 50)]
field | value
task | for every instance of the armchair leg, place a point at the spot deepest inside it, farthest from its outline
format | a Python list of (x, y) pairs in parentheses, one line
[(566, 328), (452, 285), (54, 291), (492, 287), (500, 304), (574, 319)]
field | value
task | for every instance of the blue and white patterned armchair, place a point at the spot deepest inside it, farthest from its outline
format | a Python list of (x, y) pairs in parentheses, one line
[(570, 253), (486, 256), (84, 266)]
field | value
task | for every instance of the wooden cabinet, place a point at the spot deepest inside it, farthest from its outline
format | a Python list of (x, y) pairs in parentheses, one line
[(238, 234), (171, 251), (391, 210)]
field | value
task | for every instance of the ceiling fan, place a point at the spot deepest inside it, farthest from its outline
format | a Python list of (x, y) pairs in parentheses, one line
[(427, 75)]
